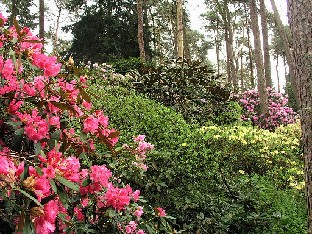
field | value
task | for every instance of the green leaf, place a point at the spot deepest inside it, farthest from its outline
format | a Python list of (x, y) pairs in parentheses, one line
[(39, 171), (15, 125), (67, 183), (38, 148), (150, 229), (17, 27), (86, 182), (114, 134), (64, 106), (29, 196), (47, 199), (63, 196), (84, 95), (25, 173), (28, 227), (53, 185)]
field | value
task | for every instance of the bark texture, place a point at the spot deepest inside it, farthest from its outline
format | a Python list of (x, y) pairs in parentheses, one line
[(300, 19), (180, 38), (141, 29), (286, 45), (266, 48), (41, 20), (258, 57)]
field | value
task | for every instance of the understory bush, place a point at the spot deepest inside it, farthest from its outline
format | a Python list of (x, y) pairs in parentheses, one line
[(214, 179), (279, 113), (190, 88)]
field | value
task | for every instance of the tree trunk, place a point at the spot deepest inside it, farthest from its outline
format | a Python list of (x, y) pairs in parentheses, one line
[(266, 49), (217, 48), (277, 75), (180, 41), (14, 11), (242, 69), (186, 52), (230, 39), (41, 20), (286, 46), (140, 30), (300, 19), (252, 79), (258, 58), (230, 66), (56, 30)]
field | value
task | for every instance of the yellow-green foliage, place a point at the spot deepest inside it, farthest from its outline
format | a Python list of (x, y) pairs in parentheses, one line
[(245, 149)]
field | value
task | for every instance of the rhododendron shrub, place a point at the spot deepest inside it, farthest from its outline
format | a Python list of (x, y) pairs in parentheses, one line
[(47, 123), (279, 113)]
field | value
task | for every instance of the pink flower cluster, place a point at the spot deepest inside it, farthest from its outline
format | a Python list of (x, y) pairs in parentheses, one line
[(279, 112), (139, 151), (38, 102)]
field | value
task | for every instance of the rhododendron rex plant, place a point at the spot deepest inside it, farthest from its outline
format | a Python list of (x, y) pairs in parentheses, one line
[(279, 113), (42, 182)]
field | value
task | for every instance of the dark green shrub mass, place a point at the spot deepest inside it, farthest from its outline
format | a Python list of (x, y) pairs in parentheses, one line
[(190, 88)]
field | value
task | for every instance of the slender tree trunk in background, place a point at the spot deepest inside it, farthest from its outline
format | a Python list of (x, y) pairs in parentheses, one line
[(140, 29), (56, 29), (228, 32), (285, 71), (187, 52), (241, 62), (300, 21), (230, 45), (242, 69), (228, 61), (258, 58), (217, 48), (266, 49), (252, 80), (174, 33), (180, 41), (41, 20), (277, 75), (14, 11), (286, 45)]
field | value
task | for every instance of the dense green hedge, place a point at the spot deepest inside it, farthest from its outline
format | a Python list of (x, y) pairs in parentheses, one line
[(212, 179)]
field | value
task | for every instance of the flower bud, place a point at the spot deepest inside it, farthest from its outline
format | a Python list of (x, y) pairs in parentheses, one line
[(29, 182), (71, 61), (36, 211)]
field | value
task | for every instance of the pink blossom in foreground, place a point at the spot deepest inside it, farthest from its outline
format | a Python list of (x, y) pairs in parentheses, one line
[(139, 211), (161, 212), (45, 224)]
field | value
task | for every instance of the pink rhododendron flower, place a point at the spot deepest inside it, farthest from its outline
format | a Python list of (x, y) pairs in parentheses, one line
[(100, 174), (117, 197), (90, 125), (131, 227), (8, 69), (139, 211), (47, 63), (14, 106), (29, 89), (49, 172), (42, 187), (139, 138), (161, 212), (45, 224), (36, 128), (55, 121), (86, 105), (78, 213)]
